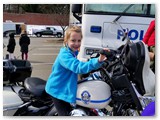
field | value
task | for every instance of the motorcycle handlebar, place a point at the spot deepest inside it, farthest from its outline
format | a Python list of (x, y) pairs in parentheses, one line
[(111, 55), (107, 54)]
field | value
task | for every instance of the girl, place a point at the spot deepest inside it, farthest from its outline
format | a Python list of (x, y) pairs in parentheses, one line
[(62, 82), (24, 42), (11, 46)]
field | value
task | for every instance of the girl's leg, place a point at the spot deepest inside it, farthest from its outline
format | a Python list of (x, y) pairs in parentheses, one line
[(26, 56), (63, 108)]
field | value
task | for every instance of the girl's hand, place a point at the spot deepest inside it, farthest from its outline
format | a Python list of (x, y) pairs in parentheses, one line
[(103, 57)]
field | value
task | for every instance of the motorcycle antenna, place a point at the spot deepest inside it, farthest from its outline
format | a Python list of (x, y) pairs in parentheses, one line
[(125, 34), (125, 10)]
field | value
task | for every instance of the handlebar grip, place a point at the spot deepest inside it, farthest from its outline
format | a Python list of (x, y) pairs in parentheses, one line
[(107, 54)]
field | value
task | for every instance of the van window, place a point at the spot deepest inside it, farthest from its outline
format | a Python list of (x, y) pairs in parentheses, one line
[(152, 10), (135, 9)]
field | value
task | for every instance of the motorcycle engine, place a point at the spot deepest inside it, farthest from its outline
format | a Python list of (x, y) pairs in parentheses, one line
[(78, 112)]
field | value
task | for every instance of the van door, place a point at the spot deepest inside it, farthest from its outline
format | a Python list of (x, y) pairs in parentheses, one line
[(113, 33)]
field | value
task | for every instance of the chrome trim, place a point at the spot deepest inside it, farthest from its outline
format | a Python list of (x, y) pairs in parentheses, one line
[(12, 108)]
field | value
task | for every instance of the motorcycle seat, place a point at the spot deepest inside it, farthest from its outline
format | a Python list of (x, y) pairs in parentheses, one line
[(135, 57), (35, 86)]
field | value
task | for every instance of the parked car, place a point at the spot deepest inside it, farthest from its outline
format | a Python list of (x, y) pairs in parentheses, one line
[(49, 31)]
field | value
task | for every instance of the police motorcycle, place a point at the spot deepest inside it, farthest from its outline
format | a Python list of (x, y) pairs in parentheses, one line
[(123, 86), (128, 80), (17, 100), (125, 83)]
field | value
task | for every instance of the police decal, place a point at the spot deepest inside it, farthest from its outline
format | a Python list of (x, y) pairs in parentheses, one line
[(85, 97)]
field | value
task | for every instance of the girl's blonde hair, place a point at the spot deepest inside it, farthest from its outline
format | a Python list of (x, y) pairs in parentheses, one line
[(68, 32), (24, 32)]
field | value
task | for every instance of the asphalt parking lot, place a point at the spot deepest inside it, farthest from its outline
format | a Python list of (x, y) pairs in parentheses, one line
[(42, 53)]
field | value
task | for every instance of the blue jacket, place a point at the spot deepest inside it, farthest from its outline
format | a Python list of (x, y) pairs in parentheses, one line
[(62, 82)]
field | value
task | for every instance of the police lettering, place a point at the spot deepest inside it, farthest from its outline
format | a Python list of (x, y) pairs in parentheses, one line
[(133, 34)]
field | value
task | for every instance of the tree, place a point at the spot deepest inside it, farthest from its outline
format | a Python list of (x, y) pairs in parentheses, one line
[(32, 8), (37, 8), (63, 9), (12, 8)]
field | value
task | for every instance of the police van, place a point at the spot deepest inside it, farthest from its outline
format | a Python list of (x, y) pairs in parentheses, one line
[(104, 25)]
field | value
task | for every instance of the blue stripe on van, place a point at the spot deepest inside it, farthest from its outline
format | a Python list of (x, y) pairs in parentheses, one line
[(96, 101)]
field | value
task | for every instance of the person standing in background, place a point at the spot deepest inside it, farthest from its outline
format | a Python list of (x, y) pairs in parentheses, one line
[(149, 39), (24, 42), (11, 45)]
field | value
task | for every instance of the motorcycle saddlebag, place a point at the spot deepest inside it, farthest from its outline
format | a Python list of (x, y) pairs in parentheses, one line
[(11, 102), (16, 70)]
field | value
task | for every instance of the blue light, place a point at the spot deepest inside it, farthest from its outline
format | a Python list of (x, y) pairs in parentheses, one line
[(95, 29)]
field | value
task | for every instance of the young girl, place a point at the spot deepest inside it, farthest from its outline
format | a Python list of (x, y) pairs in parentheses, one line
[(62, 82), (11, 46), (24, 42)]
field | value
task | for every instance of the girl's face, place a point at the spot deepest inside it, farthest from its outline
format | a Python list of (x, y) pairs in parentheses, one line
[(74, 41)]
